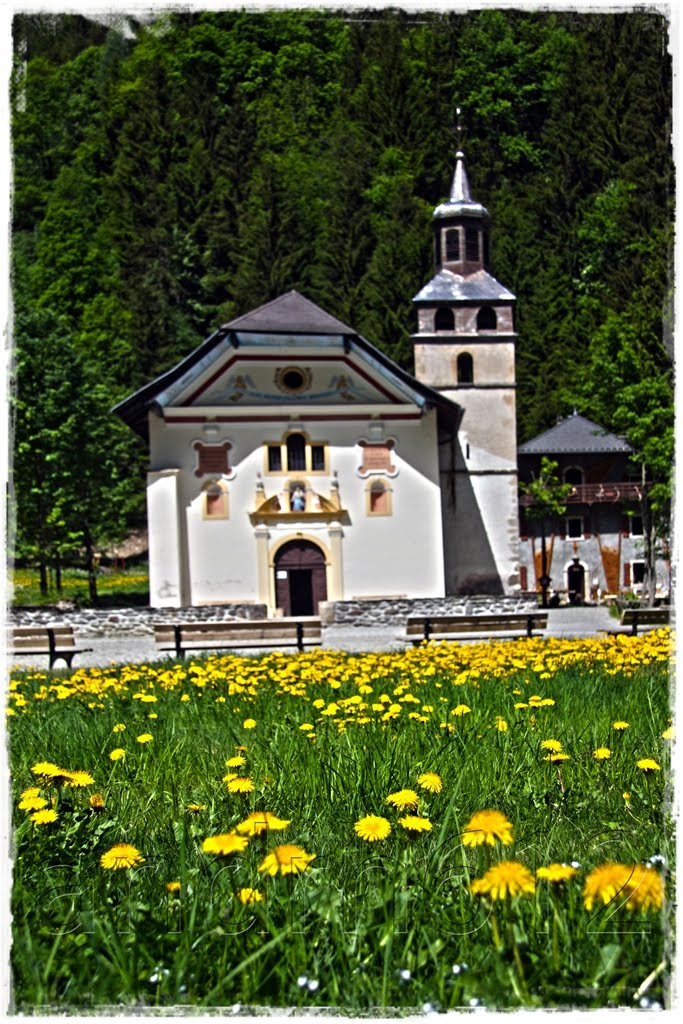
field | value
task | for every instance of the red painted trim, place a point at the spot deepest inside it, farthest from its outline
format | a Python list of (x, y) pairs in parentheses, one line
[(290, 359)]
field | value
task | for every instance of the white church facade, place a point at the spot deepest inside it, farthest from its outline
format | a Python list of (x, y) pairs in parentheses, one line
[(293, 463)]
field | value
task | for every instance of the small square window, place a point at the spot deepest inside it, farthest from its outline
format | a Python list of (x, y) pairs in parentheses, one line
[(636, 526), (274, 458), (638, 572), (575, 526), (317, 457)]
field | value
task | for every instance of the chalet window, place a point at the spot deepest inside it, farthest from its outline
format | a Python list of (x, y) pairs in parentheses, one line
[(452, 239), (635, 526), (575, 526), (472, 245), (573, 475), (444, 319), (637, 572), (465, 368), (487, 319), (212, 458)]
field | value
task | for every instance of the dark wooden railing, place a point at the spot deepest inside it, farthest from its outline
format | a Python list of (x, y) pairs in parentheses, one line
[(590, 494)]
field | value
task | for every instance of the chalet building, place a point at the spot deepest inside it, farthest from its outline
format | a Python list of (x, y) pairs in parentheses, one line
[(291, 462), (596, 547)]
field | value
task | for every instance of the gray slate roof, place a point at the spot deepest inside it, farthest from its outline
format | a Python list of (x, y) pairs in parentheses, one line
[(460, 203), (449, 287), (576, 435), (290, 313)]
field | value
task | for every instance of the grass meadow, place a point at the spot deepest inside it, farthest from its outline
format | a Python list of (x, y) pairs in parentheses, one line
[(447, 827)]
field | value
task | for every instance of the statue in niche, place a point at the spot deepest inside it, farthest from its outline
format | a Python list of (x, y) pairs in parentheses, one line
[(298, 500)]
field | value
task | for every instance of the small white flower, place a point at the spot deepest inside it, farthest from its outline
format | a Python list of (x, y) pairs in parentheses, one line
[(657, 859), (154, 979), (313, 985), (302, 981), (403, 974)]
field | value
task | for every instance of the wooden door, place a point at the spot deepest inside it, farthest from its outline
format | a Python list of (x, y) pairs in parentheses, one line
[(300, 578)]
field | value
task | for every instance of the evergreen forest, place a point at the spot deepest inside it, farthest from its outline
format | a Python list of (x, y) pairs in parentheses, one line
[(173, 172)]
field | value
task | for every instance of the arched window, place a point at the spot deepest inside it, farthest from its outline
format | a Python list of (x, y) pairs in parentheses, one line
[(215, 500), (296, 453), (465, 368), (472, 245), (378, 496), (487, 319), (573, 475), (452, 239), (444, 319)]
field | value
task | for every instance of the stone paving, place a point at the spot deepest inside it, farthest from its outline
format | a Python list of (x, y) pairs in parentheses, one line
[(130, 649)]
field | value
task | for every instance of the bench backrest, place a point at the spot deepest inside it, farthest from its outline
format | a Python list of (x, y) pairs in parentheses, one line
[(415, 624), (39, 637), (243, 629), (645, 616)]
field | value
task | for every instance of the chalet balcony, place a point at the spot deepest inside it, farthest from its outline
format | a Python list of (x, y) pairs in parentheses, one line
[(592, 494)]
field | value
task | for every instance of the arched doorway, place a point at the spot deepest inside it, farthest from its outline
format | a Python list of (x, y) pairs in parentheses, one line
[(576, 582), (300, 578)]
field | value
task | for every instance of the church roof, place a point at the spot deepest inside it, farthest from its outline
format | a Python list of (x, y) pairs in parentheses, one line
[(290, 319), (575, 435), (291, 313), (449, 287)]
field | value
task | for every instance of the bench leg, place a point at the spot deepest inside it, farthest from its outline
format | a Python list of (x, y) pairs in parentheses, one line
[(300, 636)]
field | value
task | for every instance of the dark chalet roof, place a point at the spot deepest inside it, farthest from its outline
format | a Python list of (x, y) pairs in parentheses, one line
[(575, 435), (290, 314)]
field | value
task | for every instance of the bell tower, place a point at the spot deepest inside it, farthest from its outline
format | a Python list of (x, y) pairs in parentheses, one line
[(465, 348)]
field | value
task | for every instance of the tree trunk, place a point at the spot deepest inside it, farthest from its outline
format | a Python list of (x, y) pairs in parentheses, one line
[(42, 569), (649, 592), (58, 574), (91, 565)]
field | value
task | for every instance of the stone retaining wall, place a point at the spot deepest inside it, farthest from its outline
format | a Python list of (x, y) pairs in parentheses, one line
[(105, 622), (381, 612)]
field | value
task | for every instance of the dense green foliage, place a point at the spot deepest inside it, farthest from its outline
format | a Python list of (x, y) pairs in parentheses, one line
[(172, 174)]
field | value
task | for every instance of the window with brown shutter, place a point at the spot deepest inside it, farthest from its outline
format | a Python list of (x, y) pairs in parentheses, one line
[(212, 458), (376, 457)]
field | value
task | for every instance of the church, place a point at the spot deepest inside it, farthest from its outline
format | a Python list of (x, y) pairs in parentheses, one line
[(292, 463)]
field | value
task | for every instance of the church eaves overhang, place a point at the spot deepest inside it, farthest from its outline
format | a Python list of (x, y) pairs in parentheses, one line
[(291, 318)]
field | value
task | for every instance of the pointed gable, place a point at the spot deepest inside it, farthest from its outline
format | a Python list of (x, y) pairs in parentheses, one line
[(290, 313)]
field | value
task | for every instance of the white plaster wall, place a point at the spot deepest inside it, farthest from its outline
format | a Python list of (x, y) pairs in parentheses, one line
[(486, 534), (165, 542), (397, 554)]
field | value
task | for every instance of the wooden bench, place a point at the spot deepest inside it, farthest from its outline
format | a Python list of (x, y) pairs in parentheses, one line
[(58, 642), (633, 619), (243, 633), (506, 625)]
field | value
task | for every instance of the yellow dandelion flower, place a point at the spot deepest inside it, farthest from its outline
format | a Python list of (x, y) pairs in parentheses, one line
[(261, 821), (249, 723), (372, 828), (602, 753), (96, 801), (46, 817), (412, 823), (48, 771), (78, 779), (670, 733), (173, 887), (431, 782), (249, 895), (286, 860), (224, 844), (553, 745), (403, 799), (501, 724), (554, 758), (119, 727), (31, 791), (648, 764), (556, 872), (185, 697), (487, 827), (620, 726), (503, 881), (640, 886), (195, 808), (32, 803), (144, 737), (123, 855), (462, 709), (235, 762), (306, 727), (116, 755), (241, 786)]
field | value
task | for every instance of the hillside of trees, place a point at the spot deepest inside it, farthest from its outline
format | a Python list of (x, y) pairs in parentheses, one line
[(171, 174)]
